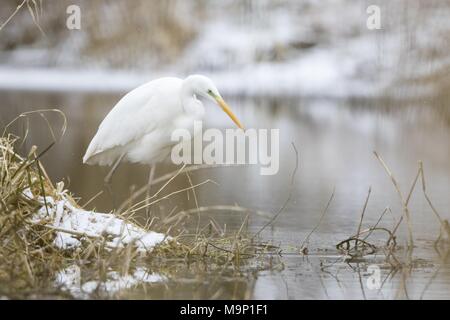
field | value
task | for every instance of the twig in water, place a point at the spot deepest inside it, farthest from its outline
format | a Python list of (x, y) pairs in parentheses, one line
[(288, 198), (376, 224), (306, 240), (424, 189), (430, 281), (362, 217), (403, 202), (360, 281)]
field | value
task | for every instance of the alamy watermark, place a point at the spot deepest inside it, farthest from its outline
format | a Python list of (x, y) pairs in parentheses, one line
[(73, 21), (236, 146), (373, 21)]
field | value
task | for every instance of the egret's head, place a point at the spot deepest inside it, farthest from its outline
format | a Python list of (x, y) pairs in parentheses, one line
[(204, 87)]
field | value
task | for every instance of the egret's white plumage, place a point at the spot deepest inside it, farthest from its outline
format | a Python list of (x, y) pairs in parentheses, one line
[(139, 127)]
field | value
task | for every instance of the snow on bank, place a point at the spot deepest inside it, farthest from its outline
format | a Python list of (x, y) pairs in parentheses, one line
[(310, 77), (276, 48), (72, 224), (70, 279), (69, 80)]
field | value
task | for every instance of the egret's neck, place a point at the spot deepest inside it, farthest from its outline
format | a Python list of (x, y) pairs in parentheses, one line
[(191, 105)]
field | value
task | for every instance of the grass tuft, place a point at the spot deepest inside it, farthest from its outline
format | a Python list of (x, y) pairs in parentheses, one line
[(30, 261)]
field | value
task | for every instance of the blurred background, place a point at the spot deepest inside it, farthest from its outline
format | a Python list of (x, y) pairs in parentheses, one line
[(250, 47), (334, 87)]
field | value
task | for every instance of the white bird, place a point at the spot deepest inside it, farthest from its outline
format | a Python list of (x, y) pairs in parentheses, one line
[(139, 127)]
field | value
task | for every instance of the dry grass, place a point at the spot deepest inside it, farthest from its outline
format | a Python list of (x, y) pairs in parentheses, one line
[(379, 244), (29, 260), (26, 252), (349, 246), (400, 260)]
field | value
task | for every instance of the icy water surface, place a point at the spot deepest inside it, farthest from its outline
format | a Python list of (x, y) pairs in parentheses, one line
[(335, 141)]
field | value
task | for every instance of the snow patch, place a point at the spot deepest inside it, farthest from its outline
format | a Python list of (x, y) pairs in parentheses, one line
[(72, 224)]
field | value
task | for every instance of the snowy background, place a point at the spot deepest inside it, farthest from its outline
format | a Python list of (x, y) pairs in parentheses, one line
[(251, 47)]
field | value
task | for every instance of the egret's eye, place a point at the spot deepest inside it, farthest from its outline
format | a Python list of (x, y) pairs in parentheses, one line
[(209, 91)]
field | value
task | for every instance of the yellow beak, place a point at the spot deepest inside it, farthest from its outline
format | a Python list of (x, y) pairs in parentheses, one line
[(228, 111)]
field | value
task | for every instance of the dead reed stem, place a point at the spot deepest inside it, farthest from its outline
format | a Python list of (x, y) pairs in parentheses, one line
[(400, 195)]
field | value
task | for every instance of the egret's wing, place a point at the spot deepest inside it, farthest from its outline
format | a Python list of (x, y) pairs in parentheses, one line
[(138, 113)]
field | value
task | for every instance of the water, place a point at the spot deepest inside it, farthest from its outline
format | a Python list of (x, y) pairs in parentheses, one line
[(335, 140)]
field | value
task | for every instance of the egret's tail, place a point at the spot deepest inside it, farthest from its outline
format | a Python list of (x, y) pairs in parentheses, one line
[(101, 157)]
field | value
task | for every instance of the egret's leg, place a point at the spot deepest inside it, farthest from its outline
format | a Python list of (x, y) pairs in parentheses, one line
[(107, 180), (149, 186)]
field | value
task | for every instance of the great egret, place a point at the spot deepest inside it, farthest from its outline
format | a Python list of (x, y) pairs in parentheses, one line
[(138, 129)]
